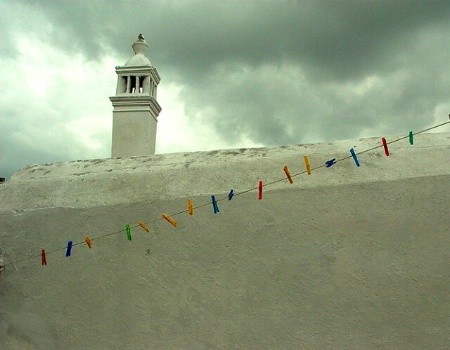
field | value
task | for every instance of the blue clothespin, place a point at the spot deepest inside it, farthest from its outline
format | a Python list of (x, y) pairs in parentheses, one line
[(69, 248), (214, 203), (331, 162), (230, 195), (355, 158)]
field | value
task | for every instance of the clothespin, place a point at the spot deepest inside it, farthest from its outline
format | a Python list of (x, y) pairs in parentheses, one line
[(2, 263), (214, 204), (69, 248), (308, 166), (190, 207), (260, 186), (88, 242), (43, 258), (288, 174), (385, 146), (230, 195), (355, 158), (128, 229), (144, 227), (411, 138), (330, 162), (169, 219)]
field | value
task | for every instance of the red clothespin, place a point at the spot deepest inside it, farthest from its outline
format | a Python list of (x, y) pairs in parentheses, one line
[(260, 186), (385, 146), (43, 258)]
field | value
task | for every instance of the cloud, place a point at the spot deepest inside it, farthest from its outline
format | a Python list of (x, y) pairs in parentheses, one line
[(255, 72), (50, 110)]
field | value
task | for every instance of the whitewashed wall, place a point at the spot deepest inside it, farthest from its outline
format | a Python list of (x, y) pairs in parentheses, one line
[(346, 258)]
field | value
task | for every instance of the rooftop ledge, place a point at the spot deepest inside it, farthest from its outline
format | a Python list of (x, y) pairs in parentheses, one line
[(179, 175)]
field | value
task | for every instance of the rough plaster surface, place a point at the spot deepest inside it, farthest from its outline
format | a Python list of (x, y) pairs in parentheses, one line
[(347, 258), (134, 133)]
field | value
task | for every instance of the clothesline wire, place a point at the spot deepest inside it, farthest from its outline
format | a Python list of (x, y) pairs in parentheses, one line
[(224, 198)]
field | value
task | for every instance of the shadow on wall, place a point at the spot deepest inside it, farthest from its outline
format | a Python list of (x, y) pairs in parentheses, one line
[(20, 328)]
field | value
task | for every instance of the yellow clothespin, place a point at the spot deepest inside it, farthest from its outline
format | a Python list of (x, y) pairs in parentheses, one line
[(88, 242), (308, 167), (190, 208), (169, 219), (145, 228), (288, 174)]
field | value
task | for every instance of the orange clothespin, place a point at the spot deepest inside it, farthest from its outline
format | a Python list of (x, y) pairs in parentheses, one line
[(288, 174), (308, 166), (169, 219), (190, 208), (144, 227), (88, 242)]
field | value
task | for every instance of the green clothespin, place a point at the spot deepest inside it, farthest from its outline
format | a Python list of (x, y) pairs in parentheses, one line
[(127, 227), (411, 138)]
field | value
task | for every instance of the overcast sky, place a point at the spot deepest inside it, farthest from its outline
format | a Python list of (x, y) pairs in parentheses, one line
[(234, 73)]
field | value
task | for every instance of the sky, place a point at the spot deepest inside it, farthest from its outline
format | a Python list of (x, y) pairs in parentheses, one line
[(233, 73)]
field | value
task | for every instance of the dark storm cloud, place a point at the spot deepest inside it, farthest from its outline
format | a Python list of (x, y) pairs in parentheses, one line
[(279, 72), (336, 39)]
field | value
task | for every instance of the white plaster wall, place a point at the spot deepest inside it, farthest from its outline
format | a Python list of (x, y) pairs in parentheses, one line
[(347, 258), (134, 133)]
